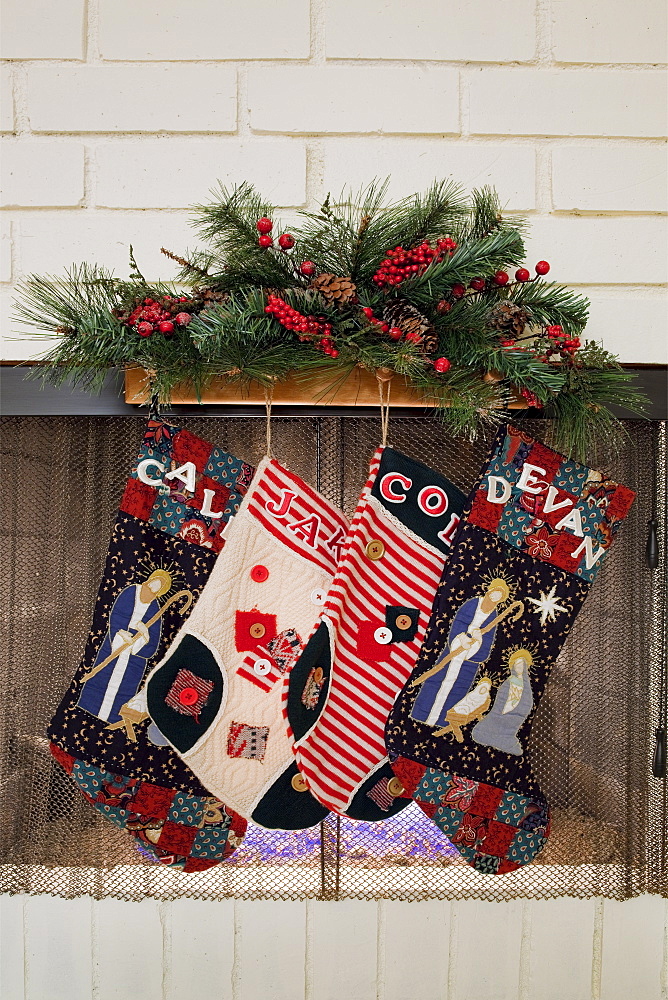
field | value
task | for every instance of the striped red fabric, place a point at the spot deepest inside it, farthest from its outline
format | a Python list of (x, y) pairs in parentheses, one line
[(296, 515), (347, 740)]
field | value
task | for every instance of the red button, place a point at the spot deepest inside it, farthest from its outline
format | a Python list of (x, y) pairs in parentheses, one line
[(259, 573), (188, 696)]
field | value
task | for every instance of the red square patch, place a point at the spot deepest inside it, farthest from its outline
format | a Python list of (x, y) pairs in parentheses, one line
[(409, 773), (562, 552), (252, 629), (484, 514), (138, 499), (498, 838), (186, 447), (368, 646), (544, 458), (621, 502), (217, 503), (177, 838), (152, 800), (65, 760), (200, 864), (554, 516), (485, 801)]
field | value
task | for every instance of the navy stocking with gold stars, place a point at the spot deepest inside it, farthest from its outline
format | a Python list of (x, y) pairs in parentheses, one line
[(524, 558), (167, 534)]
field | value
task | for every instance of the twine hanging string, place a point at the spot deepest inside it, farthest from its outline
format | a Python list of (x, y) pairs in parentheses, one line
[(384, 377), (268, 399)]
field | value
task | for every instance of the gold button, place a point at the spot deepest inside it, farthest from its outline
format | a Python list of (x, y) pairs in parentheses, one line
[(257, 630), (318, 675), (394, 787), (403, 622), (299, 784), (375, 549)]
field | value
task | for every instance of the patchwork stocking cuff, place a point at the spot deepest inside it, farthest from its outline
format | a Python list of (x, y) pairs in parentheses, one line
[(217, 694), (176, 504), (524, 559), (370, 633)]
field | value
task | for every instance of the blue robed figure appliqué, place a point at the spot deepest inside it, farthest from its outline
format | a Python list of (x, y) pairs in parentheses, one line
[(467, 647), (112, 686)]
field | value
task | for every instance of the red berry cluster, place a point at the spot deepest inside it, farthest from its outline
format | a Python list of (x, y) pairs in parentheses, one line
[(162, 315), (560, 342), (401, 264), (264, 226), (313, 328), (395, 333), (531, 399)]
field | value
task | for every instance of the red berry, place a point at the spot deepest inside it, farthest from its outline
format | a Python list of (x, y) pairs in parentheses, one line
[(522, 274), (333, 353), (183, 318), (458, 291), (501, 278), (145, 329), (395, 333), (264, 225), (542, 267), (477, 284), (166, 327), (266, 241), (367, 312), (286, 241), (442, 365), (443, 307), (307, 268)]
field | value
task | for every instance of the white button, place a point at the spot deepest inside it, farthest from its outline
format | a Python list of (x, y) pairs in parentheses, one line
[(262, 667), (318, 596), (383, 636)]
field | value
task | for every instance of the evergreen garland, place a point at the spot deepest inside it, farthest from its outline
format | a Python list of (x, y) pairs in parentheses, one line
[(420, 287)]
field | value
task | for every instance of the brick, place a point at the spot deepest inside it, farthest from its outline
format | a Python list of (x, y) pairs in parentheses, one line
[(599, 251), (176, 173), (206, 929), (429, 924), (12, 947), (6, 99), (604, 31), (271, 950), (47, 174), (159, 98), (412, 164), (354, 99), (609, 178), (468, 30), (492, 971), (567, 102), (128, 950), (5, 250), (631, 325), (204, 29), (50, 242), (560, 964), (58, 948), (343, 947), (633, 960), (42, 29)]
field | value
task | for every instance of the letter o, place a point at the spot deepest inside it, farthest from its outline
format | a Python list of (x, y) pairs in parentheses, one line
[(433, 500)]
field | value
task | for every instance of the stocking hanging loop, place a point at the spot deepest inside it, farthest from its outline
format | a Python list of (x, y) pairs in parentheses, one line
[(384, 377), (268, 399)]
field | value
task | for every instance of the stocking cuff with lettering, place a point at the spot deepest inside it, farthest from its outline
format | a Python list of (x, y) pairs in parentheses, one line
[(176, 504), (536, 534)]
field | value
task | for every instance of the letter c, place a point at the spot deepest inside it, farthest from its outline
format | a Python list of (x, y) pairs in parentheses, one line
[(391, 479), (142, 474)]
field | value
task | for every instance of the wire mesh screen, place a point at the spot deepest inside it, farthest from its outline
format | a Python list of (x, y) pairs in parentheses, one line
[(592, 738)]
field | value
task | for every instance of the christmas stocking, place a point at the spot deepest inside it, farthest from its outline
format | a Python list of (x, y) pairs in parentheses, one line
[(177, 502), (217, 694), (370, 634), (524, 559)]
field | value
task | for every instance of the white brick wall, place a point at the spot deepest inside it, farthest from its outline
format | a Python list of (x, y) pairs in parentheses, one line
[(559, 949), (118, 115)]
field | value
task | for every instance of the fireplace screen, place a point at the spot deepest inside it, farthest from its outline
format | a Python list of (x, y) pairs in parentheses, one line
[(593, 735)]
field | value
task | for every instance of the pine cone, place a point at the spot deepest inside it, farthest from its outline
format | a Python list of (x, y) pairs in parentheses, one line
[(210, 297), (334, 289), (508, 318), (411, 321)]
